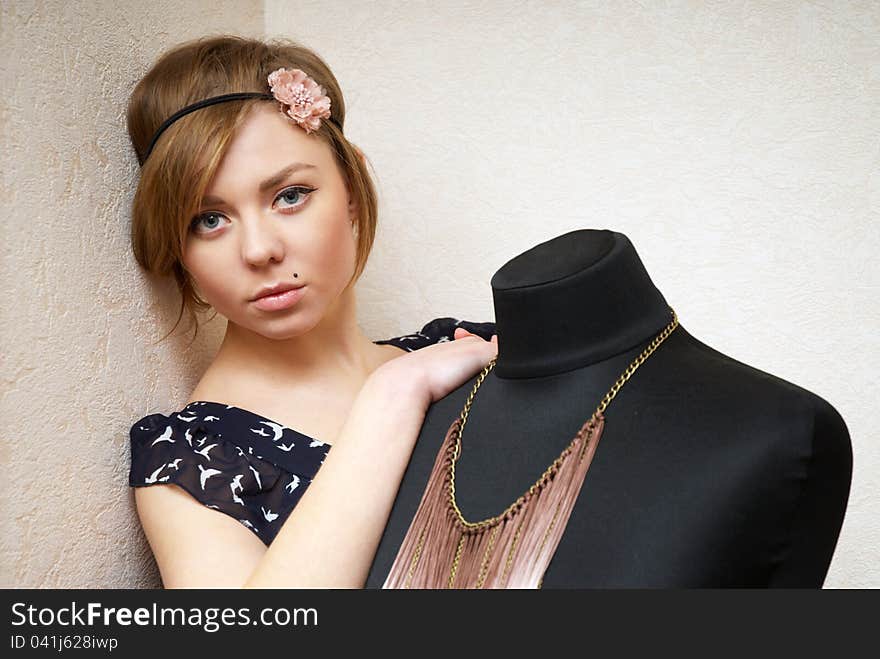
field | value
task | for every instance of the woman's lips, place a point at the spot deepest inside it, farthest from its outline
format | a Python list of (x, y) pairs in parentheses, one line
[(279, 300)]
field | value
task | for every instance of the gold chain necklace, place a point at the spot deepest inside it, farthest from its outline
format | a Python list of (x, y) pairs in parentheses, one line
[(440, 521)]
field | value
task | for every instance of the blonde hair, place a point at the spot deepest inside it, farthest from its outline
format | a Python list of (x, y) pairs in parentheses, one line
[(175, 176)]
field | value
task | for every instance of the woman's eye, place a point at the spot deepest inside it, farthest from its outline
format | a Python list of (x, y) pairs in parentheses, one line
[(295, 195), (205, 216)]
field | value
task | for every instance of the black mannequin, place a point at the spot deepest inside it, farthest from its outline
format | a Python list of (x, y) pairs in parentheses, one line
[(709, 473)]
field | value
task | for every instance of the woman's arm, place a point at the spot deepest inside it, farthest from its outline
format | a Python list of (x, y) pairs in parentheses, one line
[(331, 536)]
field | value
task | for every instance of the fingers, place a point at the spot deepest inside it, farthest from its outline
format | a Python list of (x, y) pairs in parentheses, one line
[(461, 333)]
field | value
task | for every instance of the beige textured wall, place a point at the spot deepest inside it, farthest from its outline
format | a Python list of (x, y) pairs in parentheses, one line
[(734, 143), (78, 316)]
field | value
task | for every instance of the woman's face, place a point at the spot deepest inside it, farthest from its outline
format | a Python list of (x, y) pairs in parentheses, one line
[(257, 229)]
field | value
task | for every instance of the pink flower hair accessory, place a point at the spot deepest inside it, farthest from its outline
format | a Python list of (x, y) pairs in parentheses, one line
[(301, 98)]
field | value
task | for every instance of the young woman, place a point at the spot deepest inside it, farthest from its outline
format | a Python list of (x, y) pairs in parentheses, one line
[(282, 467)]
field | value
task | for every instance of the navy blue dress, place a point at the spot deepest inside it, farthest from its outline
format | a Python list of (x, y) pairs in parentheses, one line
[(241, 463)]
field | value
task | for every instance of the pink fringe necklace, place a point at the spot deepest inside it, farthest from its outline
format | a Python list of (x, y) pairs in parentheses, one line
[(442, 549)]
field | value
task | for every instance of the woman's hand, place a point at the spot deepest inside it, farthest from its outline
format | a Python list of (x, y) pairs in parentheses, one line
[(437, 370)]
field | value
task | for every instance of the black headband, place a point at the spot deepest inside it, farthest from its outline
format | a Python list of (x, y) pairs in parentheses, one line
[(195, 106)]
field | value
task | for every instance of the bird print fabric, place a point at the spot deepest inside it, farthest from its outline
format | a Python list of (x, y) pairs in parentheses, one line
[(241, 463)]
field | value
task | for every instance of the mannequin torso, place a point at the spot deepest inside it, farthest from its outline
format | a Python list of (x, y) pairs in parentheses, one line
[(709, 472)]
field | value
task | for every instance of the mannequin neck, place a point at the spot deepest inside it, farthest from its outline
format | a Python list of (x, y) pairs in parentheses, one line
[(573, 301)]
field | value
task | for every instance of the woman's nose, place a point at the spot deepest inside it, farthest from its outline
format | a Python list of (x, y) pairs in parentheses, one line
[(261, 241)]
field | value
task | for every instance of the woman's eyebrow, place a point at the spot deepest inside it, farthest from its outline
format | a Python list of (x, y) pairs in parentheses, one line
[(270, 182)]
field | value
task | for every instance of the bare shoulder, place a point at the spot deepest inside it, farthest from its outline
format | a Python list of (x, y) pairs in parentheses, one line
[(317, 409), (195, 546)]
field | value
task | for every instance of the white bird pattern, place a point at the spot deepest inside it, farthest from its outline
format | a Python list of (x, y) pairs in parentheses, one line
[(236, 483), (277, 429), (257, 476), (293, 484), (204, 452), (206, 474), (269, 515), (164, 437), (413, 337), (187, 418), (212, 418), (152, 477), (260, 431), (288, 447)]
